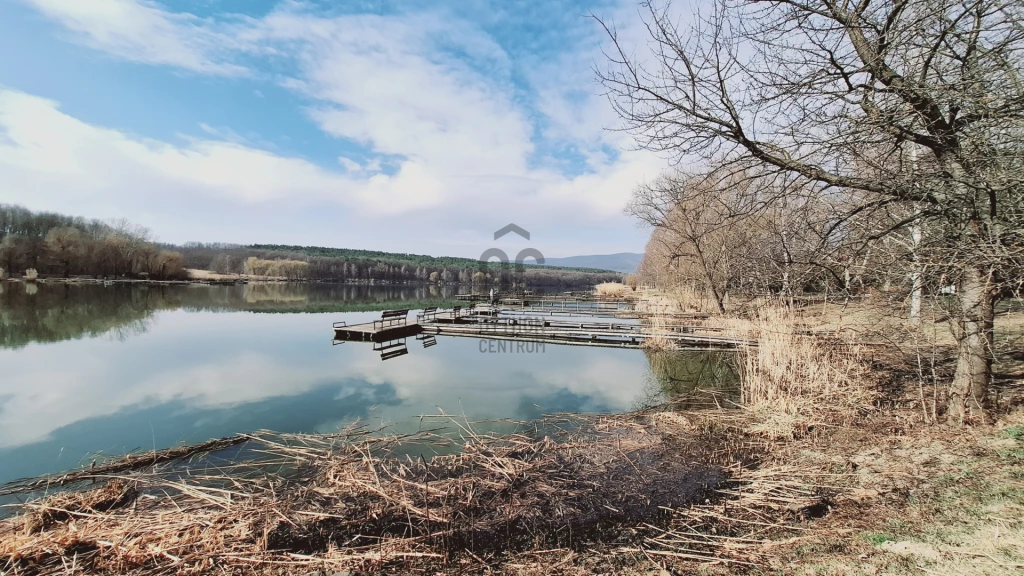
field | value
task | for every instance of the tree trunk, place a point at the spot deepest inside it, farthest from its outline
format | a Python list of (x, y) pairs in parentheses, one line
[(719, 299), (975, 337), (916, 280)]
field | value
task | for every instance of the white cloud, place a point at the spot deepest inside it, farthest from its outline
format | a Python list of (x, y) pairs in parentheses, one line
[(59, 157), (55, 154), (387, 83), (432, 98), (142, 31)]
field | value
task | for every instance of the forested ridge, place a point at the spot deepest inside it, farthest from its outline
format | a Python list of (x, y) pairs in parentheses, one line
[(343, 264)]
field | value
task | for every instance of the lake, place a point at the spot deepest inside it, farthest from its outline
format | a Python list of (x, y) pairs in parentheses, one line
[(91, 369)]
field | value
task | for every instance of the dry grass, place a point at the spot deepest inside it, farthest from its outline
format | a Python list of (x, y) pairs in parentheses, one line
[(657, 328), (664, 316), (918, 500), (678, 300), (612, 290), (196, 274), (795, 374), (691, 299), (616, 488)]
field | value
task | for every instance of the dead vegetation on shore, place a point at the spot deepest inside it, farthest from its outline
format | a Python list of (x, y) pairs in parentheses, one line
[(635, 494), (612, 490)]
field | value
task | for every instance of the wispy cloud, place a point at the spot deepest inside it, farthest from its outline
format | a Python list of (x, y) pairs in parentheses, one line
[(142, 31), (57, 155), (455, 117)]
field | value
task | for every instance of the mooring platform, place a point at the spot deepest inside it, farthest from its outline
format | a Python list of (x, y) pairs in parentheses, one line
[(392, 325), (490, 323)]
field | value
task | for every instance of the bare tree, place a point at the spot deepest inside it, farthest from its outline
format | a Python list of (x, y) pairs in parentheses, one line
[(833, 92), (133, 239), (167, 264), (221, 264), (67, 245), (703, 227)]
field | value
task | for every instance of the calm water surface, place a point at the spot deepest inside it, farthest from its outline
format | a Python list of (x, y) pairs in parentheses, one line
[(87, 369)]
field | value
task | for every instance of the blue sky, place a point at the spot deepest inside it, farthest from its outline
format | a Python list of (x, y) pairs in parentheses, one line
[(393, 125)]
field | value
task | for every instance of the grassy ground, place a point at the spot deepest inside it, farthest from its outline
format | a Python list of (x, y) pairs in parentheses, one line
[(915, 500)]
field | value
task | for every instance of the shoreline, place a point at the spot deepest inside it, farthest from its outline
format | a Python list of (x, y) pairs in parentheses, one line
[(244, 281)]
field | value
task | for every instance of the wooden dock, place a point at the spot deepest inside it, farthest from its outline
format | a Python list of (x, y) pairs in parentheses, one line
[(494, 323), (393, 325)]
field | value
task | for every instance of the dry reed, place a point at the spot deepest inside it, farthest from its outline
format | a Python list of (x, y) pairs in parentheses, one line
[(611, 289), (692, 299), (793, 378), (349, 502), (652, 482), (657, 313)]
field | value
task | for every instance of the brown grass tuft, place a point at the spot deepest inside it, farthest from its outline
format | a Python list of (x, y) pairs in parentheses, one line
[(611, 289), (793, 379)]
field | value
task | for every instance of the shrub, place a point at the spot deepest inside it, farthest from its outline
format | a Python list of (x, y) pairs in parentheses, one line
[(31, 274)]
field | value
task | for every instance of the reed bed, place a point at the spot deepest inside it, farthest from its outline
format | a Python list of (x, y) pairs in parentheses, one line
[(791, 376), (691, 299), (612, 289), (608, 486), (794, 379), (658, 314)]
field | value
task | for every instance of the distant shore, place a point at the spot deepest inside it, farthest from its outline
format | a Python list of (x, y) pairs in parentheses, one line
[(206, 277)]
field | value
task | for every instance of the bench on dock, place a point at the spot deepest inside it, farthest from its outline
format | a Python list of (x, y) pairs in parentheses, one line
[(391, 318), (455, 311), (429, 313)]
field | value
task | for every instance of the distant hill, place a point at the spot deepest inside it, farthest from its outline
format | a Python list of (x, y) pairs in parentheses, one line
[(625, 262)]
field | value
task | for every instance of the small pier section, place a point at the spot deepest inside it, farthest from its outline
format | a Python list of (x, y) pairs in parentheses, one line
[(393, 324)]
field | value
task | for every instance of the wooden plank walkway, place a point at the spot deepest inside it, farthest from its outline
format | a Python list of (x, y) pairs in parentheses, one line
[(622, 313), (485, 324), (617, 334)]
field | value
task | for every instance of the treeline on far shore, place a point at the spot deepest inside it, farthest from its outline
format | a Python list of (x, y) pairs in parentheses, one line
[(346, 265), (46, 243), (55, 245)]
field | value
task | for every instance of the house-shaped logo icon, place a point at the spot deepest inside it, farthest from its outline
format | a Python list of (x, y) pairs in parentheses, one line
[(512, 228)]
